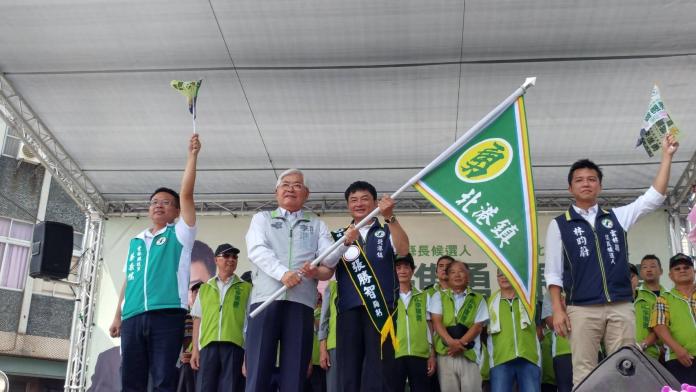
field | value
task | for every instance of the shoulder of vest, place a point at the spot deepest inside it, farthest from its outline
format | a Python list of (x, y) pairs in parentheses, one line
[(309, 216), (428, 287)]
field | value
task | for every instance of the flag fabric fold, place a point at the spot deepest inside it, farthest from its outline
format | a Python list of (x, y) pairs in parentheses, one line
[(190, 91), (656, 124), (486, 188)]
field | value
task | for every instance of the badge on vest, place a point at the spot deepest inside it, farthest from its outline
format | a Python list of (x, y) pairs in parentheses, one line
[(380, 233), (606, 222), (161, 241), (352, 253)]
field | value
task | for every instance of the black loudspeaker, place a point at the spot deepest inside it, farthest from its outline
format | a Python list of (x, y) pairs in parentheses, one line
[(628, 369), (51, 250)]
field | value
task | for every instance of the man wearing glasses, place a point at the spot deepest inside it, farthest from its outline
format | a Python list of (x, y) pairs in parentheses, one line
[(218, 325), (674, 320), (280, 243), (154, 299)]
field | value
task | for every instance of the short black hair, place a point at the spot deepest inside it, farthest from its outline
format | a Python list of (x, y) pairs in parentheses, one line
[(466, 266), (651, 257), (167, 190), (360, 186), (408, 260), (445, 257), (584, 164), (633, 269)]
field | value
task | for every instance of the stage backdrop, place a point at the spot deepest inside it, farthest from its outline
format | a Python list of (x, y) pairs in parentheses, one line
[(431, 235)]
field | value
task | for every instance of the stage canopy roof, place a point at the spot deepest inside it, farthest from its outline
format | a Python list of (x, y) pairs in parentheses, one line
[(344, 90)]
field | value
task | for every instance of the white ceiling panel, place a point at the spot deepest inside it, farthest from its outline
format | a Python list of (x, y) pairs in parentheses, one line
[(344, 90)]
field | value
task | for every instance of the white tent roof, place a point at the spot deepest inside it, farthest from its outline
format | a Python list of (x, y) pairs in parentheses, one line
[(344, 90)]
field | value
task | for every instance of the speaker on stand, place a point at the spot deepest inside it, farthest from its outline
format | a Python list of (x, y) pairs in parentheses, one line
[(51, 250)]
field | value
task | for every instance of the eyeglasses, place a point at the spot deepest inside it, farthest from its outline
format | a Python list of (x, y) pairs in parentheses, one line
[(295, 186), (163, 203)]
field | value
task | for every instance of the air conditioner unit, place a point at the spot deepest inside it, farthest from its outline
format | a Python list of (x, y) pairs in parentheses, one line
[(26, 155)]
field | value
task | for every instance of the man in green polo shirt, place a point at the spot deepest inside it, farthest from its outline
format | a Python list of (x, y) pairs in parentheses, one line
[(458, 316), (218, 325), (513, 348), (674, 319), (415, 356), (154, 298), (650, 271)]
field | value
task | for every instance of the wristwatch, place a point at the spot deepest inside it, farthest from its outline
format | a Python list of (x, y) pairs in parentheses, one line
[(391, 219)]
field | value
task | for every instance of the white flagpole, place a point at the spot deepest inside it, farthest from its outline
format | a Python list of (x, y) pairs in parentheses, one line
[(468, 135), (194, 117)]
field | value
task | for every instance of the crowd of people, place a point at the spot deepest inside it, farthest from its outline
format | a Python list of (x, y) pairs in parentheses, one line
[(371, 329)]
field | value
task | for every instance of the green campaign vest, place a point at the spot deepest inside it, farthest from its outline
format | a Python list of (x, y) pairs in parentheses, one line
[(547, 373), (512, 341), (682, 322), (430, 290), (466, 316), (151, 275), (315, 343), (412, 326), (485, 366), (333, 315), (559, 345), (643, 305), (223, 323)]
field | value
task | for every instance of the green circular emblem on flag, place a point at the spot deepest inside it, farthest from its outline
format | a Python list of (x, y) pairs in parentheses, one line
[(484, 161)]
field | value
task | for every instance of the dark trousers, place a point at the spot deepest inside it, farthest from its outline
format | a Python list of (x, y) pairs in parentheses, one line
[(685, 375), (150, 345), (288, 325), (187, 379), (220, 368), (316, 383), (415, 369), (563, 369), (363, 367)]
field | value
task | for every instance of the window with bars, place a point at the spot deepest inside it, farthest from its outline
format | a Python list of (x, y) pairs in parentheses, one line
[(11, 142), (15, 243)]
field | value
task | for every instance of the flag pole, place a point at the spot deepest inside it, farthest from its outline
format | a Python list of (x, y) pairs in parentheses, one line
[(468, 135)]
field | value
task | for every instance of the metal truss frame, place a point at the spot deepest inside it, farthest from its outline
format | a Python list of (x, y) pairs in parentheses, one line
[(17, 113), (85, 301), (410, 204), (681, 200)]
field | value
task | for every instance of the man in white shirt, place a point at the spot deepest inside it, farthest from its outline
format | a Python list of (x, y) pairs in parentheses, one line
[(587, 257), (280, 243)]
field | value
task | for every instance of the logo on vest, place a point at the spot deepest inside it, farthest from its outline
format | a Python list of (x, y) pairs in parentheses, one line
[(380, 233), (161, 241), (484, 161), (352, 253), (277, 225), (606, 222)]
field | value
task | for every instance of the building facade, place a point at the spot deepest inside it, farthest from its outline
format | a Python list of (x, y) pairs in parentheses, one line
[(35, 315)]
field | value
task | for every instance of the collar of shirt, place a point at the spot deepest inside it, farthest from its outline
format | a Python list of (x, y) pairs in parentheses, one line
[(589, 214), (290, 215), (223, 286), (366, 229)]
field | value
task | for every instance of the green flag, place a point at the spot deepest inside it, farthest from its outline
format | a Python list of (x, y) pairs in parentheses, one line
[(485, 187), (656, 124)]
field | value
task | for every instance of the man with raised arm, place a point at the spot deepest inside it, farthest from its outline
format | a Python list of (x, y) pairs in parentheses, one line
[(154, 299), (587, 257)]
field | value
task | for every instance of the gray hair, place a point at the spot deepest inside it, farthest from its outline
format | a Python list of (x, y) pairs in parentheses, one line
[(290, 172)]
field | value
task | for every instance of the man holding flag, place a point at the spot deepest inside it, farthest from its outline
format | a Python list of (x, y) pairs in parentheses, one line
[(367, 293), (592, 241)]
